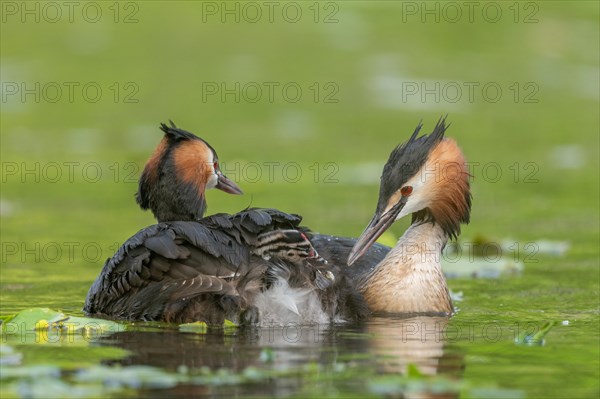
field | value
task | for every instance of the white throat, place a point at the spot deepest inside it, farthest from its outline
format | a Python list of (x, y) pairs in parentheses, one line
[(410, 279)]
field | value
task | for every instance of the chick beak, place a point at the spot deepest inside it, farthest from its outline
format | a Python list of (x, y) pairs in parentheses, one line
[(378, 225), (226, 185)]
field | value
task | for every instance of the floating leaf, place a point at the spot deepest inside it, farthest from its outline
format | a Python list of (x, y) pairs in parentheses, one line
[(26, 320), (130, 377), (198, 327), (33, 372), (461, 266), (401, 385), (229, 327), (496, 393), (266, 355), (51, 325), (536, 338), (8, 356), (6, 318), (412, 371)]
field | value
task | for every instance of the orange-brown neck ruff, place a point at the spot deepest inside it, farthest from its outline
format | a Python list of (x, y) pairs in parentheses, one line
[(448, 188), (153, 164), (193, 164), (149, 177)]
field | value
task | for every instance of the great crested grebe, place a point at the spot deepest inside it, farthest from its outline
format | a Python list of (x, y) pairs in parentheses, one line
[(254, 267), (426, 177)]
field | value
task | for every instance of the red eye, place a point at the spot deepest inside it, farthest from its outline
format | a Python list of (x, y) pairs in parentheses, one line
[(406, 191), (216, 166)]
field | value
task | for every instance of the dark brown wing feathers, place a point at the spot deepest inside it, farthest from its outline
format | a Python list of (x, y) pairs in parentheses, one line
[(179, 261)]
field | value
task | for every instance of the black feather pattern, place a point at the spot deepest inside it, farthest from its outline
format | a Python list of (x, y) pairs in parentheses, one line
[(205, 270), (337, 249), (165, 245), (406, 160)]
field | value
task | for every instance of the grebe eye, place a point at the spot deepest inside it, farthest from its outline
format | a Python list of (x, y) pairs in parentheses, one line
[(216, 166), (406, 191)]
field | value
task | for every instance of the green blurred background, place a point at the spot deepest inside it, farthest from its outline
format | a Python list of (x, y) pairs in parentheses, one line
[(519, 82)]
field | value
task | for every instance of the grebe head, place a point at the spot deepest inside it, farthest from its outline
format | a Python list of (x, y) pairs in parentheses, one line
[(427, 177), (177, 175)]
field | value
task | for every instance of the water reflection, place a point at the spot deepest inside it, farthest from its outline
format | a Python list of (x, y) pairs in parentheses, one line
[(417, 340), (349, 358)]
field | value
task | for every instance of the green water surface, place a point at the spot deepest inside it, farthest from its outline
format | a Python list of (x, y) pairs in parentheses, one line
[(368, 72)]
